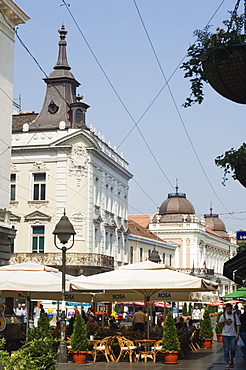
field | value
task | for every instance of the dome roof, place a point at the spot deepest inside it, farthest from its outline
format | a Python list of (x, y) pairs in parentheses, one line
[(176, 203), (213, 221)]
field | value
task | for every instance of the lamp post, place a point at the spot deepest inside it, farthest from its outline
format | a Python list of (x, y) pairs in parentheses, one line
[(63, 230)]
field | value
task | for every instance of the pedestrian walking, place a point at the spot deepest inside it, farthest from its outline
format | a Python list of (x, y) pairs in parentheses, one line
[(230, 333), (139, 320), (242, 319), (196, 316), (175, 311), (36, 315), (19, 313)]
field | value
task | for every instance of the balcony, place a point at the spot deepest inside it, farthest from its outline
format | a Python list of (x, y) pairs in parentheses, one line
[(77, 263)]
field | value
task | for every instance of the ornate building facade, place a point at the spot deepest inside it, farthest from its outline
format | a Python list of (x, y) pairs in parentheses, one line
[(59, 163), (10, 16), (203, 242)]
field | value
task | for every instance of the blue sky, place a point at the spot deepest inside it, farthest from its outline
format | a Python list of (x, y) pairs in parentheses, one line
[(115, 34)]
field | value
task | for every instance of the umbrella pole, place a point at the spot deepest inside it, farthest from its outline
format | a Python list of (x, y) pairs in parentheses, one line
[(27, 315)]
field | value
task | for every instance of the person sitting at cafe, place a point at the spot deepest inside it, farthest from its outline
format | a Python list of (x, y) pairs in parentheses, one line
[(158, 328), (191, 326), (92, 326), (113, 324), (139, 320), (180, 323)]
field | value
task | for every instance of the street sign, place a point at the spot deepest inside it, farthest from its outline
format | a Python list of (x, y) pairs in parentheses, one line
[(241, 236)]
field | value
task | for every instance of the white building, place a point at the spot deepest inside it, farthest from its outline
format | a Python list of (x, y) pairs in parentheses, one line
[(10, 16), (204, 244), (58, 163)]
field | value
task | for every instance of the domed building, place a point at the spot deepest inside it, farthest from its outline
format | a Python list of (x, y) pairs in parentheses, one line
[(204, 244)]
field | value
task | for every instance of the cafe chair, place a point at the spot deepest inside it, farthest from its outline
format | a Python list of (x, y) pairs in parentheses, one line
[(157, 348), (127, 347), (103, 347)]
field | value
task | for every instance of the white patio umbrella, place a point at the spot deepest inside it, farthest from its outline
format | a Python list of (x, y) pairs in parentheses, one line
[(34, 281), (147, 278)]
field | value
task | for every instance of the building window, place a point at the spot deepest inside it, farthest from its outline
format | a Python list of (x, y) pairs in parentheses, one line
[(96, 234), (78, 115), (140, 254), (163, 257), (170, 260), (131, 254), (149, 251), (39, 186), (13, 186), (38, 239), (12, 245)]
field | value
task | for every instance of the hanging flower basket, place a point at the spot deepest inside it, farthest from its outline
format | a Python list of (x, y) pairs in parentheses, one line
[(240, 174), (225, 71), (219, 59), (234, 161)]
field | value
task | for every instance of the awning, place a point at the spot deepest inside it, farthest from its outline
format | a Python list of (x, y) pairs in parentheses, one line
[(235, 268)]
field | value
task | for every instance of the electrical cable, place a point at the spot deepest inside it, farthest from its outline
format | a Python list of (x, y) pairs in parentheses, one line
[(176, 106)]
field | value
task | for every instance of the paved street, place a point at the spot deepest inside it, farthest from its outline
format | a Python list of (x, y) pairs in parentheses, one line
[(203, 359)]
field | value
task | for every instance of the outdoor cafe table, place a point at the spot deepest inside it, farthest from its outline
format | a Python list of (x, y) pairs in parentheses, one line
[(145, 343)]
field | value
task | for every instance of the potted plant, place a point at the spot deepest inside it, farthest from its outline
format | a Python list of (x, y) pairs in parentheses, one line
[(218, 58), (234, 161), (206, 331), (79, 341), (218, 328), (170, 341)]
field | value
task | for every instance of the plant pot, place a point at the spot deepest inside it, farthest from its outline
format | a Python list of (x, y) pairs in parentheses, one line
[(171, 357), (219, 338), (240, 172), (79, 357), (225, 70), (207, 343)]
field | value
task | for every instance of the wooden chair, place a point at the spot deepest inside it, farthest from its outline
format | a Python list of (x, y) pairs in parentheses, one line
[(157, 348), (127, 347), (103, 347)]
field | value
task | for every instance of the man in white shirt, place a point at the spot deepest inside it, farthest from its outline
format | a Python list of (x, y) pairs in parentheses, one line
[(196, 316), (230, 333), (19, 312), (36, 315)]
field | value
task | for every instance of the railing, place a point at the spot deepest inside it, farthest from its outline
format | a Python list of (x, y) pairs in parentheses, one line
[(72, 259)]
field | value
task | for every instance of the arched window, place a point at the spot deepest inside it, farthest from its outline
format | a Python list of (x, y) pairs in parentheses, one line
[(78, 115)]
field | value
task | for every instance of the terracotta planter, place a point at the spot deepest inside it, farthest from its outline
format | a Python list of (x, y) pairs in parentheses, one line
[(240, 173), (79, 357), (171, 357), (219, 338), (225, 71), (207, 343)]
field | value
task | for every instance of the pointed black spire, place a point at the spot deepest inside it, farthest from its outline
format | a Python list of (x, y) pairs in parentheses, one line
[(177, 187), (62, 62)]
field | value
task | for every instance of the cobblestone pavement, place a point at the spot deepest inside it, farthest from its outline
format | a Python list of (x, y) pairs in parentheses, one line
[(203, 359)]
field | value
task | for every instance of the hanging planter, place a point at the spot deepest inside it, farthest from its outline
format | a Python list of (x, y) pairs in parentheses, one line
[(225, 71), (220, 60), (234, 161)]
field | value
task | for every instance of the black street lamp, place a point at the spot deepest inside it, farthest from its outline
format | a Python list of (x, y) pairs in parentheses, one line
[(154, 256), (63, 230)]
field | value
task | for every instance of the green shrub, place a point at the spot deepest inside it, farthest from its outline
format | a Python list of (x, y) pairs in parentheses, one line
[(206, 330), (79, 341), (218, 328), (170, 341), (184, 310)]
